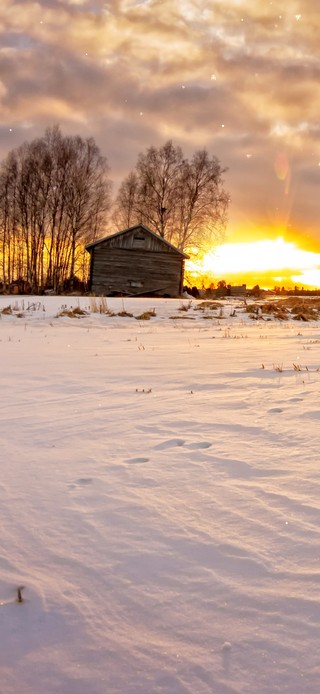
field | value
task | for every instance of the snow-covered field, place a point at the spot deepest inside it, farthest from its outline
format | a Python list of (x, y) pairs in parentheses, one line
[(160, 485)]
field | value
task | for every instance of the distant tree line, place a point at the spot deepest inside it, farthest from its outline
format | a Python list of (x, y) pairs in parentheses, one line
[(55, 197)]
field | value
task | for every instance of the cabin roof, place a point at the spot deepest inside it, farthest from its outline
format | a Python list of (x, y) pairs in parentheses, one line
[(136, 226)]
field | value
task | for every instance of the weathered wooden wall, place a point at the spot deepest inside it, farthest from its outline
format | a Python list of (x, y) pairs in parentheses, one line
[(135, 272)]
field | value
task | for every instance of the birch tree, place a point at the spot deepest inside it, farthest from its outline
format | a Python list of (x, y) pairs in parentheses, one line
[(183, 201), (54, 196)]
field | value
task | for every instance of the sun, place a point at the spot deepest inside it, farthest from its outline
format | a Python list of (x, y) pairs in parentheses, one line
[(276, 261)]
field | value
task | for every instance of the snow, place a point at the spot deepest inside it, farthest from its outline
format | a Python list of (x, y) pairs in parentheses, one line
[(159, 500)]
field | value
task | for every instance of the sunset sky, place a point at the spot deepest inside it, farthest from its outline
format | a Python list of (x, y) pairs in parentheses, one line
[(240, 78)]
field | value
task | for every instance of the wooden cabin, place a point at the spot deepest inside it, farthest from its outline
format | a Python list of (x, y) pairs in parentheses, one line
[(238, 290), (134, 262)]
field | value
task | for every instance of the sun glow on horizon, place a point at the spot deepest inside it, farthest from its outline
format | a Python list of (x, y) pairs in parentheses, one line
[(311, 277), (278, 260)]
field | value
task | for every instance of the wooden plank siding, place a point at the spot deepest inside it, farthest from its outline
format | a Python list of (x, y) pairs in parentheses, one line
[(134, 272), (135, 261)]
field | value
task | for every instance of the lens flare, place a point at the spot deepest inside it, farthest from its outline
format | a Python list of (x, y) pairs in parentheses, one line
[(281, 166)]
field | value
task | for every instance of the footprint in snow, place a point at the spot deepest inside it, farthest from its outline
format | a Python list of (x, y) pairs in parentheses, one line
[(275, 410), (199, 444), (171, 443), (81, 482), (138, 460)]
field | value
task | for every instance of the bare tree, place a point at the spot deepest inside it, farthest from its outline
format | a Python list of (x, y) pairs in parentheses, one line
[(202, 204), (159, 173), (9, 234), (149, 193), (183, 201), (35, 169), (126, 204), (87, 195), (54, 196)]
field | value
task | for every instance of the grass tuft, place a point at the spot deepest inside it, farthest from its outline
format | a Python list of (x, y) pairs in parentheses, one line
[(75, 312), (100, 306), (185, 306), (6, 311), (146, 315)]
